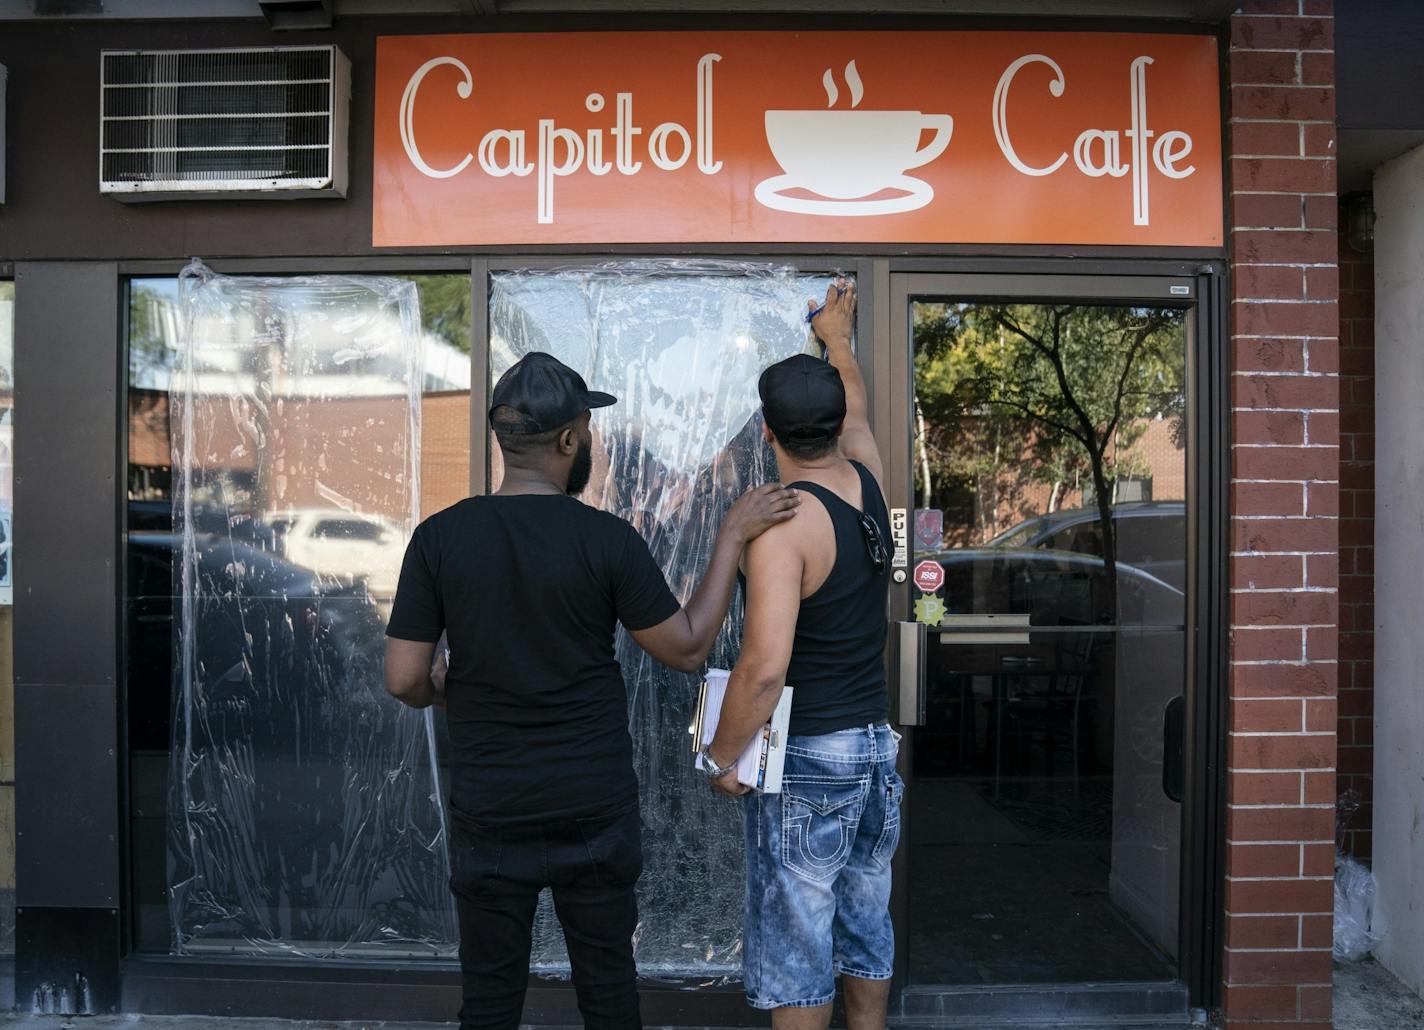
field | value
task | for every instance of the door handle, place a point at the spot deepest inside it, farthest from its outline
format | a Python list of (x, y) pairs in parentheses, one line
[(910, 669), (1174, 744)]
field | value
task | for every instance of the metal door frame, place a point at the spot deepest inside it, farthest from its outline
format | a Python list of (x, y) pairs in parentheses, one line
[(1200, 291)]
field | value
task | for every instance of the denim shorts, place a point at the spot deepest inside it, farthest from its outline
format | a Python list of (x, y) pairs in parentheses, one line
[(818, 869)]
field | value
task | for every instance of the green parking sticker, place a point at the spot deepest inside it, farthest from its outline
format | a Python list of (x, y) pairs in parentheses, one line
[(930, 610)]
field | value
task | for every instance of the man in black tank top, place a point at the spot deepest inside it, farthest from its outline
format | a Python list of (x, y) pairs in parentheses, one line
[(818, 853)]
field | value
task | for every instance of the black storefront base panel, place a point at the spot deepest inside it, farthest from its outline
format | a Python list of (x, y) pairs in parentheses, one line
[(66, 960), (356, 991), (1128, 1005), (367, 991)]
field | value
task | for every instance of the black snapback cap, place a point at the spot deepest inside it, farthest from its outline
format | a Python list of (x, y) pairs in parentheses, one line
[(546, 392), (802, 398)]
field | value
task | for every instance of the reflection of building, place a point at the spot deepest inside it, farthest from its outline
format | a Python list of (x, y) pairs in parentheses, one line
[(444, 450), (1152, 468)]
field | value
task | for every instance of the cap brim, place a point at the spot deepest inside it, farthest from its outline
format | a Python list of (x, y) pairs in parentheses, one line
[(600, 400)]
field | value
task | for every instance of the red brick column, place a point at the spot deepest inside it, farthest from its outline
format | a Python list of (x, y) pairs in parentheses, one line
[(1357, 538), (1285, 505)]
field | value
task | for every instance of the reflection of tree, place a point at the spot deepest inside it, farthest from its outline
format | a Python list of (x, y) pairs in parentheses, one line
[(152, 340), (7, 339), (445, 303), (1044, 393)]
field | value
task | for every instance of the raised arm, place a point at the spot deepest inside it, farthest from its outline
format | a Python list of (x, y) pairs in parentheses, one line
[(774, 569), (683, 640), (835, 327)]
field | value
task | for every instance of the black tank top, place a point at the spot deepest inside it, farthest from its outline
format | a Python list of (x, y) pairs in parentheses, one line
[(837, 668)]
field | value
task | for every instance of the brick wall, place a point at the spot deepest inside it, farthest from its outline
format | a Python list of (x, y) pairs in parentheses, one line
[(1285, 503), (1357, 536)]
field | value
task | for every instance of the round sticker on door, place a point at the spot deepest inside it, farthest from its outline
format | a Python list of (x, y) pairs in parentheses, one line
[(929, 576)]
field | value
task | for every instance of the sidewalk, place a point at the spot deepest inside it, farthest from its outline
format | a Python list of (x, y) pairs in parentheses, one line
[(1368, 997), (204, 1023), (13, 1022), (210, 1023), (196, 1023)]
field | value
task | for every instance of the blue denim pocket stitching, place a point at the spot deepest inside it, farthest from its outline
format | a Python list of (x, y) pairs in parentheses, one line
[(840, 757), (796, 827), (814, 780), (890, 829)]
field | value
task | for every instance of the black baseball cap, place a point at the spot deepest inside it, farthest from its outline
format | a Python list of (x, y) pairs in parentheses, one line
[(546, 392), (803, 398)]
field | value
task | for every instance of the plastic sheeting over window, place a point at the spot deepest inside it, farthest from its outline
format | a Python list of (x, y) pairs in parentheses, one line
[(305, 811), (681, 344)]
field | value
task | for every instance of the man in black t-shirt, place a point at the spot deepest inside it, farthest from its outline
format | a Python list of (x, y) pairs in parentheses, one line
[(528, 585)]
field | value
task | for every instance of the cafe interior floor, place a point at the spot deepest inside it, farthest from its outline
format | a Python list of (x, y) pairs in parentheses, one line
[(1014, 889)]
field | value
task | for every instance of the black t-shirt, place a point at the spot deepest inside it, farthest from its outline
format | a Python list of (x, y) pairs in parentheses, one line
[(529, 589)]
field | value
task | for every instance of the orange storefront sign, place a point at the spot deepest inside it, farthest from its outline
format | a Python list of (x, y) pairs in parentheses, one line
[(797, 137)]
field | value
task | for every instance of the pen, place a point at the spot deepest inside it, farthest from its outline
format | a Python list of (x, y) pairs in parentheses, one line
[(840, 290)]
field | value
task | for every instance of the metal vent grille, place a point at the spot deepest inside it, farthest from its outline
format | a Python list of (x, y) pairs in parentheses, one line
[(196, 122)]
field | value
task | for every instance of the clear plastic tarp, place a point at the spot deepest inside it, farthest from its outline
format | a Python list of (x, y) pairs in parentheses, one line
[(681, 344), (1354, 910), (305, 811)]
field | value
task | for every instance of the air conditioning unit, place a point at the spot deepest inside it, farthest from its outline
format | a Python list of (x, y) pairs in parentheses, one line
[(255, 122)]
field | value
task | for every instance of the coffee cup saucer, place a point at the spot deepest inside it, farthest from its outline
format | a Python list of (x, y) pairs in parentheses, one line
[(772, 193)]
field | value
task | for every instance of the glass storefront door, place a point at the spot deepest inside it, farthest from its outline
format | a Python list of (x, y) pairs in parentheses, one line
[(1040, 457)]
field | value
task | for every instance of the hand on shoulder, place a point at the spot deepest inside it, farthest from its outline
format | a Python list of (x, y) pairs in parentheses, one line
[(761, 509)]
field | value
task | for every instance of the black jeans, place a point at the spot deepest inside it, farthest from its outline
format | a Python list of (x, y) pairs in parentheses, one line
[(592, 866)]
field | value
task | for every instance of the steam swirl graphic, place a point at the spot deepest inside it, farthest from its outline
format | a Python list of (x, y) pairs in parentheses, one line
[(852, 78)]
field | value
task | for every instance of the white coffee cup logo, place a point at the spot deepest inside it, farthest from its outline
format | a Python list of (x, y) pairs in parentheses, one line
[(845, 157)]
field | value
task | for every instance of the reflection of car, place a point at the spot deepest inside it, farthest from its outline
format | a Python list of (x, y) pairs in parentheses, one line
[(150, 516), (157, 516), (1055, 588), (262, 623), (1082, 685), (1151, 535), (347, 545), (287, 743)]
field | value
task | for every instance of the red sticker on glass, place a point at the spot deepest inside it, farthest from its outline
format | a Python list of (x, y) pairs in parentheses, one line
[(929, 576)]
